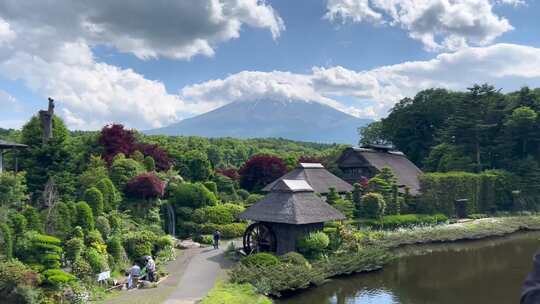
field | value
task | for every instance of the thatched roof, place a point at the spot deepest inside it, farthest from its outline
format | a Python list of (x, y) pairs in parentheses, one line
[(291, 202), (320, 179), (406, 172), (9, 145)]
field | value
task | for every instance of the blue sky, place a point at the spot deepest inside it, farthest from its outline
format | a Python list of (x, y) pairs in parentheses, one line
[(103, 64)]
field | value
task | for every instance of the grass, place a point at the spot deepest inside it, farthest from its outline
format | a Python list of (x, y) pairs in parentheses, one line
[(473, 230), (230, 293)]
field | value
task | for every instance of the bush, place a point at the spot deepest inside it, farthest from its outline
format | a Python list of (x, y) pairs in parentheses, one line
[(85, 217), (206, 239), (145, 186), (233, 230), (7, 241), (73, 248), (260, 259), (243, 194), (98, 262), (211, 186), (219, 214), (57, 278), (18, 223), (124, 169), (294, 258), (103, 226), (116, 250), (77, 232), (149, 163), (94, 198), (139, 244), (314, 244), (373, 205), (33, 219), (253, 198), (164, 242), (81, 268), (17, 281), (405, 221), (345, 206), (184, 213), (110, 194), (208, 228), (192, 195)]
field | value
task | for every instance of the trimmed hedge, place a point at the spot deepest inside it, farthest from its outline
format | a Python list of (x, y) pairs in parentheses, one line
[(405, 221), (486, 192)]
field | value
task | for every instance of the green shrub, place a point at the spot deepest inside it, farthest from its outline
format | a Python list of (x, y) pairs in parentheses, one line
[(313, 244), (253, 198), (373, 205), (164, 242), (139, 244), (17, 223), (33, 219), (345, 206), (233, 230), (17, 281), (73, 249), (260, 259), (206, 239), (6, 239), (110, 194), (57, 278), (98, 262), (211, 186), (77, 232), (116, 250), (149, 163), (218, 214), (294, 258), (94, 198), (184, 213), (123, 170), (243, 194), (234, 209), (81, 268), (43, 251), (94, 237), (191, 195), (208, 228), (103, 226), (85, 217)]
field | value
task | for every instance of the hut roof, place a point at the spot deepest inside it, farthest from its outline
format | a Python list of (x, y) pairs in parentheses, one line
[(9, 145), (406, 172), (320, 179), (292, 202)]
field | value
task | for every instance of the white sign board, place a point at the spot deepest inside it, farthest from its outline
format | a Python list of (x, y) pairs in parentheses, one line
[(103, 276)]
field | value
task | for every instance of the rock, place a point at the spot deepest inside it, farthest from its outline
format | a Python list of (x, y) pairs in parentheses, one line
[(187, 244)]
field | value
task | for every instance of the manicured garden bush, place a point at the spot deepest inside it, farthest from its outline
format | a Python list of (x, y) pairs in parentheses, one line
[(314, 244), (6, 240), (206, 239), (145, 186), (212, 186), (232, 230), (124, 169), (294, 258), (85, 217), (346, 207), (57, 278), (260, 259), (139, 244), (73, 249), (373, 205), (110, 194), (149, 164), (192, 195), (94, 198), (219, 214), (33, 219)]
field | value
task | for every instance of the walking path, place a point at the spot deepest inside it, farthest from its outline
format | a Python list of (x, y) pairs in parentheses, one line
[(191, 276)]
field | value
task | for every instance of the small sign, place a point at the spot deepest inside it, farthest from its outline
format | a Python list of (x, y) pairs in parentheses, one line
[(103, 276)]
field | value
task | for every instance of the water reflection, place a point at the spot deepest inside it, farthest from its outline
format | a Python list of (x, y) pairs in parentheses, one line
[(487, 271)]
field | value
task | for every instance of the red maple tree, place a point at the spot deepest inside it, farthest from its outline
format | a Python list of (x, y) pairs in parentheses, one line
[(115, 139), (145, 186), (260, 170)]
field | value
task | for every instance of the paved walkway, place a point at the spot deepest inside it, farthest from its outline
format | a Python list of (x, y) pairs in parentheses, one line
[(191, 276)]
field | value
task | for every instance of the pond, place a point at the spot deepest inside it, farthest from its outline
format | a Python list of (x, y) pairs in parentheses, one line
[(486, 271)]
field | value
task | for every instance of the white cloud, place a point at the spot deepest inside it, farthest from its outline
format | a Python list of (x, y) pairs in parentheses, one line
[(9, 102), (48, 46), (438, 24), (373, 92)]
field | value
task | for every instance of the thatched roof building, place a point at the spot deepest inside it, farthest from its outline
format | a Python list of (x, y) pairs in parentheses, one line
[(289, 212), (320, 179), (369, 160)]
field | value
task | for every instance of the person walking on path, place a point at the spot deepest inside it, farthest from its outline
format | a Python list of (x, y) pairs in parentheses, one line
[(217, 237)]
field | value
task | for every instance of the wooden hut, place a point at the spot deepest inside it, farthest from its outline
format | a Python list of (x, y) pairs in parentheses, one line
[(289, 212), (6, 146), (320, 179), (367, 161)]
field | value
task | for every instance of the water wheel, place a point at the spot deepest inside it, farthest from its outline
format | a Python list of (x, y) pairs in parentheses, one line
[(259, 238)]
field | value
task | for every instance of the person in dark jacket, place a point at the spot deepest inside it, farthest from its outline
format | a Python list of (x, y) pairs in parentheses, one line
[(217, 237), (531, 288)]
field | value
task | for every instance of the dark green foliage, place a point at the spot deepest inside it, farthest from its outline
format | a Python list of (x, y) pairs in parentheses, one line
[(486, 192), (139, 244), (6, 239), (243, 194), (253, 198), (98, 262), (405, 221), (191, 195), (77, 232), (96, 171), (233, 230), (124, 169), (85, 217), (373, 205), (59, 220), (81, 268), (41, 250), (260, 259), (219, 214), (12, 189), (195, 166), (149, 164), (18, 283), (110, 194), (212, 186), (18, 223), (260, 170), (73, 249), (116, 250), (94, 198), (33, 219), (314, 244), (103, 226), (332, 197)]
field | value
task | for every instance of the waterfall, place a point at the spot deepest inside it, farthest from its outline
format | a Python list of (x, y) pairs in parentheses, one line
[(172, 219)]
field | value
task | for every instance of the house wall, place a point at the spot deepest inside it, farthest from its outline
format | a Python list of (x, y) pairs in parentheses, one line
[(287, 235)]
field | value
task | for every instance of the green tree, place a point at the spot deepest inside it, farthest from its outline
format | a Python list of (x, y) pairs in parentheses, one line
[(332, 197), (373, 205), (373, 134), (192, 195), (195, 166), (521, 126), (85, 217), (110, 194), (149, 164), (94, 198), (33, 219), (123, 170), (12, 189)]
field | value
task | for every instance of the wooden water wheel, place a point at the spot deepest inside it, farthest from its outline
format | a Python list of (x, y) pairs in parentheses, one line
[(259, 238)]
